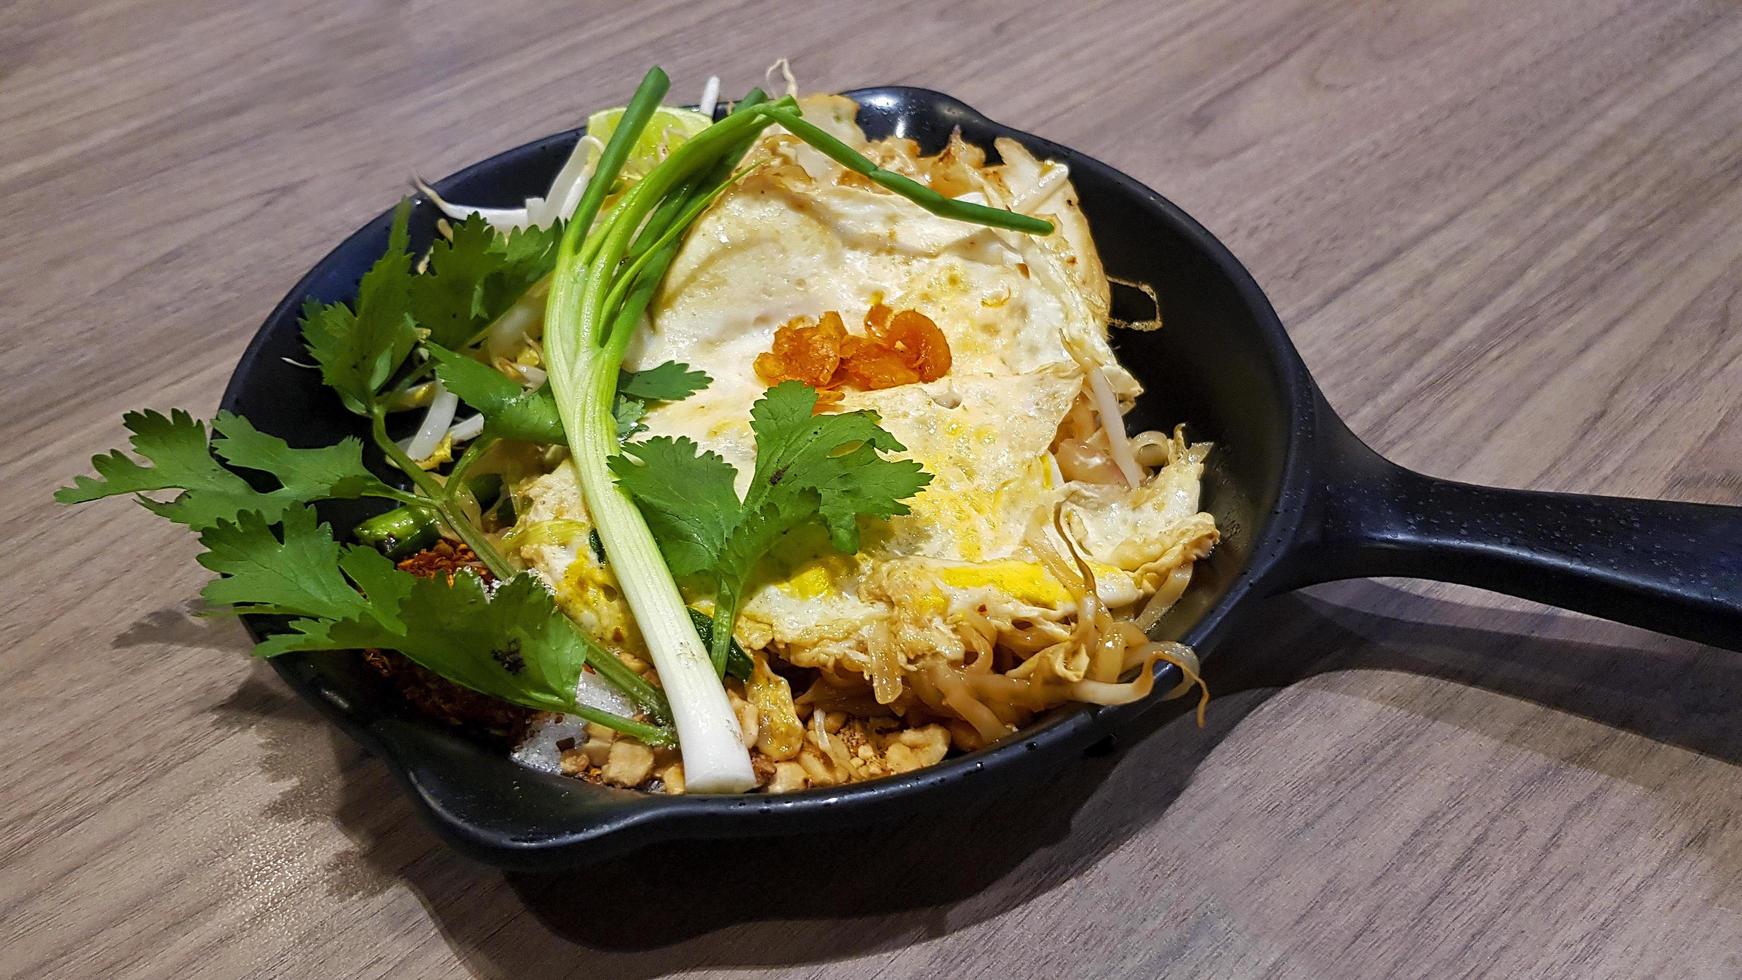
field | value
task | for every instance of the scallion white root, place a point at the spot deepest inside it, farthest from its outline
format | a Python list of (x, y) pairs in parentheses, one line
[(714, 759)]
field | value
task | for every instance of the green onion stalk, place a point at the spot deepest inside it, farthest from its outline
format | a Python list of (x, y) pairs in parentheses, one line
[(600, 289)]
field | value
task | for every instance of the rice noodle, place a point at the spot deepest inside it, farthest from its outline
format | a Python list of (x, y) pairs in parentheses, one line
[(1186, 659), (885, 667), (1081, 448), (1140, 686), (1165, 596), (1105, 650), (1111, 693), (956, 695), (1086, 460)]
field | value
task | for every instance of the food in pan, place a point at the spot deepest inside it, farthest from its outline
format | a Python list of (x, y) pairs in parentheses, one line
[(755, 455)]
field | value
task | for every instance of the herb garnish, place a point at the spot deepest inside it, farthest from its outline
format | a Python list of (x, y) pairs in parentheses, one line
[(822, 470)]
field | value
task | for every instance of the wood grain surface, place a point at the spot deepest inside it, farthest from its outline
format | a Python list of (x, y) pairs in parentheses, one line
[(1505, 235)]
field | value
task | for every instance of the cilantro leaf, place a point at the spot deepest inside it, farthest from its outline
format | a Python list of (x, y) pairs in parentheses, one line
[(471, 278), (381, 581), (333, 472), (668, 382), (529, 254), (475, 275), (176, 445), (833, 456), (627, 413), (359, 347), (510, 411), (686, 495), (448, 298), (296, 575), (810, 470), (512, 643)]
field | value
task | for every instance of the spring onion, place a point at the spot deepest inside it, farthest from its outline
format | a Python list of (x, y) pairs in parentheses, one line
[(606, 275)]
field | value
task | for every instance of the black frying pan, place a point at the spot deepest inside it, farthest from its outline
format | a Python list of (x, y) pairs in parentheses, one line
[(1299, 500)]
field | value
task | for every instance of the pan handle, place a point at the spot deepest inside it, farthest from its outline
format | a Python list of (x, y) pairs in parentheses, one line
[(1675, 568)]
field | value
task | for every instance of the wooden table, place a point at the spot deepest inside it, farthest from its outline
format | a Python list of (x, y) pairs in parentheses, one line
[(1504, 235)]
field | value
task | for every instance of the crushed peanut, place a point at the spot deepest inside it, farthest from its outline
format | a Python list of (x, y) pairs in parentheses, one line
[(597, 750), (789, 777), (916, 748), (671, 777), (628, 764)]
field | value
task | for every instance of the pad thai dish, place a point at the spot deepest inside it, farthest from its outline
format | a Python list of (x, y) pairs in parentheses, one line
[(757, 455)]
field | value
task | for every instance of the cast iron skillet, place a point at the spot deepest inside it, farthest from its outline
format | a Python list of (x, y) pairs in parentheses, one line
[(1298, 498)]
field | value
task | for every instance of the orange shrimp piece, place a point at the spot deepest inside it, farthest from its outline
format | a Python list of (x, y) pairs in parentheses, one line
[(804, 350), (922, 346), (877, 318), (899, 348), (870, 366)]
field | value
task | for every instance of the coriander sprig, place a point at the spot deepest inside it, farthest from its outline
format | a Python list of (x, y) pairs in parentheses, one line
[(823, 470), (268, 548)]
